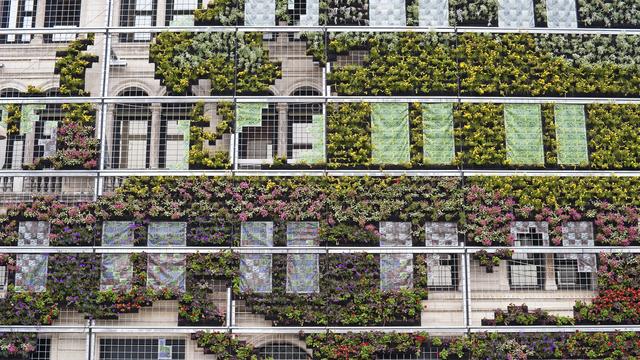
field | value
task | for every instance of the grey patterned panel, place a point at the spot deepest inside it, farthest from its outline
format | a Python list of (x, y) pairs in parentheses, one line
[(441, 233), (438, 275), (578, 233), (31, 272), (387, 13), (49, 144), (33, 233), (312, 15), (395, 233), (562, 14), (256, 233), (260, 13), (167, 233), (255, 272), (31, 269), (433, 13), (255, 269), (117, 270), (396, 271), (303, 271), (515, 13), (302, 233), (166, 271)]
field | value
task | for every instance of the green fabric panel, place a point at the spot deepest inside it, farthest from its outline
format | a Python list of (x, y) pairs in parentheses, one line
[(571, 134), (437, 127), (249, 114), (390, 133), (523, 127), (316, 153), (29, 117)]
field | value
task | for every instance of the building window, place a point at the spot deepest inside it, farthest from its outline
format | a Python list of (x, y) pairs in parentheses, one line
[(443, 271), (180, 12), (137, 13), (16, 14), (527, 271), (131, 133), (134, 349), (282, 351), (174, 136), (61, 13), (43, 350)]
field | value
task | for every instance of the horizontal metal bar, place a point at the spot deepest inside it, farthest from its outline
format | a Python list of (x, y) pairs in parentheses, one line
[(335, 173), (44, 329), (318, 99), (241, 28), (313, 249), (297, 329)]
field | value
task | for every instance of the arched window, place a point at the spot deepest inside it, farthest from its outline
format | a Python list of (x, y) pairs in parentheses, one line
[(282, 351), (131, 133)]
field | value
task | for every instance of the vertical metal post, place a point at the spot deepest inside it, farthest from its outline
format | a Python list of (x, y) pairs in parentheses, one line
[(104, 88), (466, 302)]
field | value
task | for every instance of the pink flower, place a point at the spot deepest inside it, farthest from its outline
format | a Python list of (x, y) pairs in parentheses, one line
[(12, 349), (243, 216), (244, 185)]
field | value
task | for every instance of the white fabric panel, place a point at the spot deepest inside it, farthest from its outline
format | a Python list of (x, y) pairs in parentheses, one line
[(562, 14), (312, 15), (387, 13), (260, 13)]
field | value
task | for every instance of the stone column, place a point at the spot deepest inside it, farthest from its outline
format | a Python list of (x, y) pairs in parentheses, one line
[(549, 273)]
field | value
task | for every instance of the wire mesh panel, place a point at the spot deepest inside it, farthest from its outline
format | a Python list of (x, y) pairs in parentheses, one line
[(523, 128), (135, 347), (17, 189), (177, 136), (62, 13), (278, 133), (15, 14), (180, 12), (116, 268)]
